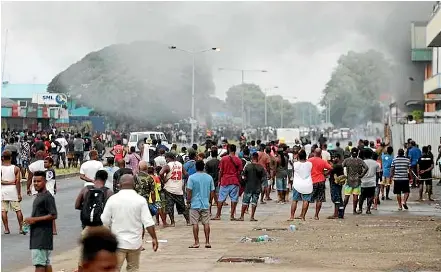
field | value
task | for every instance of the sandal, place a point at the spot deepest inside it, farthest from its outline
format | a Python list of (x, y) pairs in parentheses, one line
[(207, 246), (194, 246)]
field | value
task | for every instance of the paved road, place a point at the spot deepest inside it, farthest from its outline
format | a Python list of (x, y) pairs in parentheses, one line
[(15, 247)]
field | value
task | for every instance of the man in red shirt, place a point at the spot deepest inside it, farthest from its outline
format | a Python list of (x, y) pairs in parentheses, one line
[(230, 169), (320, 168)]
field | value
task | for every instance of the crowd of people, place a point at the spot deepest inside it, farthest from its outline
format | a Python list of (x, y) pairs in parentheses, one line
[(131, 193)]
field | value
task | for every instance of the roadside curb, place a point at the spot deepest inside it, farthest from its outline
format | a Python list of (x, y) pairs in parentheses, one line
[(66, 176)]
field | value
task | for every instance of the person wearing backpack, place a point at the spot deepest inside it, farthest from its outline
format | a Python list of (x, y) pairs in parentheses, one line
[(91, 202)]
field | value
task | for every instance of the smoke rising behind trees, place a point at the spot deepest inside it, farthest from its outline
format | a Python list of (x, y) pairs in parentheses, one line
[(299, 43)]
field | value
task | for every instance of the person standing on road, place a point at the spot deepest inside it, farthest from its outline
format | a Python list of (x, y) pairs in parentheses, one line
[(400, 171), (91, 202), (302, 186), (386, 162), (62, 154), (336, 182), (44, 212), (172, 176), (11, 191), (132, 160), (319, 171), (253, 175), (424, 169), (212, 168), (37, 165), (51, 183), (118, 151), (25, 154), (126, 214), (78, 149), (200, 189), (414, 154), (264, 161), (368, 182), (230, 168), (89, 168), (356, 168), (87, 146)]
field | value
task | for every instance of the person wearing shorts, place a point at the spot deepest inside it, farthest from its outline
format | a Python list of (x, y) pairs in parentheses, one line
[(200, 190), (386, 163), (230, 169), (400, 174), (355, 168)]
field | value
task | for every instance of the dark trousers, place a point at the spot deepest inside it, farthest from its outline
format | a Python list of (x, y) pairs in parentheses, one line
[(366, 193)]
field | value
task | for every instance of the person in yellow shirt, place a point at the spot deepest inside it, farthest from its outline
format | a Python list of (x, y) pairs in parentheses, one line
[(160, 201)]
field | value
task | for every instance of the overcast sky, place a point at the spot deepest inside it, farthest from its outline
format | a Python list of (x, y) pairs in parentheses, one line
[(297, 42)]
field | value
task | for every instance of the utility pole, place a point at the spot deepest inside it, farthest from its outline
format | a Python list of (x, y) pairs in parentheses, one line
[(4, 56)]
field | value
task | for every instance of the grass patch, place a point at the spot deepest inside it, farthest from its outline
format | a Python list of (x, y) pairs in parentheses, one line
[(67, 171)]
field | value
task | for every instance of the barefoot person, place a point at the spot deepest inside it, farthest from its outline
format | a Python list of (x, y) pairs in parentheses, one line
[(302, 185), (319, 170), (200, 189), (11, 191), (400, 174), (253, 174), (230, 168), (356, 168)]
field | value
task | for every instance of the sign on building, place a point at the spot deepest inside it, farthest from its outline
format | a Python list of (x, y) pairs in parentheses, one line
[(50, 99)]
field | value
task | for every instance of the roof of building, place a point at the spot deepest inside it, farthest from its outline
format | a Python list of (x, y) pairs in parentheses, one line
[(18, 91)]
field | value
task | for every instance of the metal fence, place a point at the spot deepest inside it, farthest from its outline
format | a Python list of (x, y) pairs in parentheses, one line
[(423, 134)]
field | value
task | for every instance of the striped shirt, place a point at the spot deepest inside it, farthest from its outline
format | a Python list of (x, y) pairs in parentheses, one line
[(401, 166)]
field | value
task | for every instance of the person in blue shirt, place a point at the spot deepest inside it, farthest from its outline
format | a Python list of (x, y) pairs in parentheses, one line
[(253, 148), (161, 146), (414, 155), (200, 189), (386, 164), (190, 165)]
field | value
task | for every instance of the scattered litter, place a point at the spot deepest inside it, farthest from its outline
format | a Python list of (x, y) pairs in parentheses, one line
[(438, 228), (262, 260), (262, 238), (292, 228)]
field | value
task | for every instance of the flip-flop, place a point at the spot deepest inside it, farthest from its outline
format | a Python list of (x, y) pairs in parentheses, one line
[(215, 218), (254, 220), (7, 232), (207, 246), (290, 220), (194, 246), (233, 219)]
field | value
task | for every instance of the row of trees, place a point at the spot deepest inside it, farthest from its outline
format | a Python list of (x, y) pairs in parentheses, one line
[(278, 108)]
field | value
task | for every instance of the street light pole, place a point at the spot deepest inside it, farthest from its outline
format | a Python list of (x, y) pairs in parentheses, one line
[(281, 113), (266, 106), (243, 89), (193, 53)]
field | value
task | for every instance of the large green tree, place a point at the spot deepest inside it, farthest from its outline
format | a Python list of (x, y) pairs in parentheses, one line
[(354, 90), (143, 82)]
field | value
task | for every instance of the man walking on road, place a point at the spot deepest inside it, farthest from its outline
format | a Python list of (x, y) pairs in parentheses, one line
[(11, 191), (400, 174), (126, 213), (200, 189), (89, 168), (37, 165)]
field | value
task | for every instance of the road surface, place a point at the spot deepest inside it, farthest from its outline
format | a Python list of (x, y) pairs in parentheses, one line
[(15, 247)]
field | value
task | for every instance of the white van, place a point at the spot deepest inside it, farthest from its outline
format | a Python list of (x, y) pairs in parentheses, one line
[(138, 137)]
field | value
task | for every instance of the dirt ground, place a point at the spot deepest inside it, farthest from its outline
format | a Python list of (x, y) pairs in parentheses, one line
[(388, 240)]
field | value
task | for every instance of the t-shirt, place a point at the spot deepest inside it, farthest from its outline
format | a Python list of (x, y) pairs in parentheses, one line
[(318, 167), (111, 170), (78, 145), (355, 168), (33, 167), (190, 167), (337, 169), (386, 163), (116, 177), (212, 168), (414, 155), (370, 178), (253, 174), (87, 144), (160, 161), (302, 179), (401, 166), (63, 144), (201, 185), (425, 162), (50, 181), (326, 155), (230, 166), (118, 151), (41, 233), (90, 168)]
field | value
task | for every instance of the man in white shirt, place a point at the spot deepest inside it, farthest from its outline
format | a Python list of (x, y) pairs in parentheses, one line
[(37, 165), (160, 160), (89, 168), (62, 154), (325, 154), (126, 213)]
